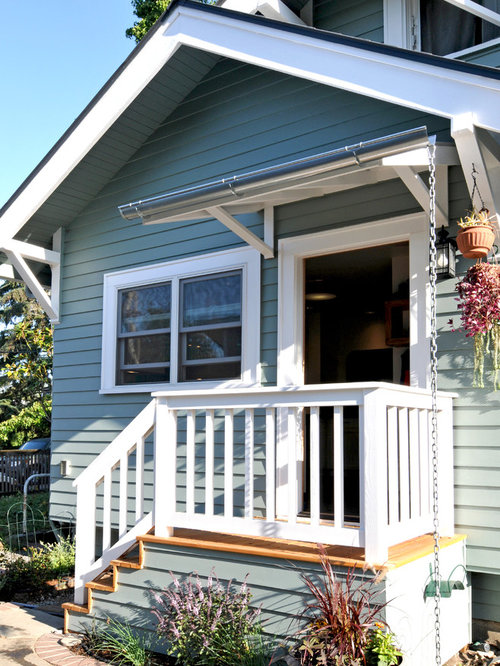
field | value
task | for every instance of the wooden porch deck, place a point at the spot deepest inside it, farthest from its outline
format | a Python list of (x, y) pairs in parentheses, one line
[(301, 551)]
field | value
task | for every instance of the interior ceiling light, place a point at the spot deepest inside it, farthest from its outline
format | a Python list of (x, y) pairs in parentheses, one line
[(320, 296)]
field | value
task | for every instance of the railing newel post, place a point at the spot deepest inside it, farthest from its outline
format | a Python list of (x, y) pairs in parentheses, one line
[(373, 475), (165, 445), (84, 539)]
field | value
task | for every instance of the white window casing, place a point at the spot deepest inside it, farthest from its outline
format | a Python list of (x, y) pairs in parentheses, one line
[(245, 259)]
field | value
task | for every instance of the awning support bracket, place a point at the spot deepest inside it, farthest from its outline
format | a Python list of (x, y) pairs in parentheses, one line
[(18, 252), (420, 191), (241, 230)]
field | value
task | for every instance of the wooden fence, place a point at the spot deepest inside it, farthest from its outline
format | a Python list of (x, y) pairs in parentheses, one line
[(17, 466)]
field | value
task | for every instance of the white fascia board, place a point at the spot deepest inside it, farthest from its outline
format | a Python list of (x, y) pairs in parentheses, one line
[(396, 80), (406, 82)]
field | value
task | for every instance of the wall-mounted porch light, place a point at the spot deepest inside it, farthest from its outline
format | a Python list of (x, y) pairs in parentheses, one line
[(446, 249)]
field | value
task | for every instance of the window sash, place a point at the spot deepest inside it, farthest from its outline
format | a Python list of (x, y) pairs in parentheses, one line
[(243, 259)]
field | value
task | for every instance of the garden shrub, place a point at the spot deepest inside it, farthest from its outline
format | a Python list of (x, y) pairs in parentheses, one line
[(208, 624), (29, 573), (340, 618)]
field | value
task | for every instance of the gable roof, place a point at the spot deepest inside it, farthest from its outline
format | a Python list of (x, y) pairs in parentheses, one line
[(182, 47)]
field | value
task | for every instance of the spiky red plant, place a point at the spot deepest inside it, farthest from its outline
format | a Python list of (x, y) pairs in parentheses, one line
[(339, 617)]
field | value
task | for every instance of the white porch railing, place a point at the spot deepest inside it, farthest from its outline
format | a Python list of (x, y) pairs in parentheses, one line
[(238, 461)]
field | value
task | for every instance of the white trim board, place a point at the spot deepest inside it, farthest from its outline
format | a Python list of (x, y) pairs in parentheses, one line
[(410, 83), (246, 258), (291, 255)]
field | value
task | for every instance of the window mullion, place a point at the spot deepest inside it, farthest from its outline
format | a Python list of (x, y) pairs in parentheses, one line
[(174, 335)]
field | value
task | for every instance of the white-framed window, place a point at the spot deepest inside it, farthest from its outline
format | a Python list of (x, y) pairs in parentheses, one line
[(439, 27), (182, 323)]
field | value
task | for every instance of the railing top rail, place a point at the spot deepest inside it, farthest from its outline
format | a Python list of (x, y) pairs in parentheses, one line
[(138, 427), (286, 396)]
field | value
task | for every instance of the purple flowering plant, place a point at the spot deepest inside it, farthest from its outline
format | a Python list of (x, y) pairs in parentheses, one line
[(479, 303), (209, 624)]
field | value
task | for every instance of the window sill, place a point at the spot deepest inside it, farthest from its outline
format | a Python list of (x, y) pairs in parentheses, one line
[(184, 386)]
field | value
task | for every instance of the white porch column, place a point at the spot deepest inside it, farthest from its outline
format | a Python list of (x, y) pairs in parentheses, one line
[(373, 475)]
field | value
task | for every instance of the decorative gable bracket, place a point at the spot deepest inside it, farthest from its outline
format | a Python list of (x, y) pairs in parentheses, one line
[(18, 254)]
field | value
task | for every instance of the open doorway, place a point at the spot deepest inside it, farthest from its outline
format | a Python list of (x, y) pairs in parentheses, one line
[(357, 316), (356, 330)]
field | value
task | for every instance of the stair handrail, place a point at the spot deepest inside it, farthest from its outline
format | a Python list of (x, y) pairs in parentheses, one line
[(141, 425)]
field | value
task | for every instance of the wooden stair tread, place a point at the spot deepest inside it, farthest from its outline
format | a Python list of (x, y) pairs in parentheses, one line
[(127, 563), (103, 582), (299, 550), (75, 608)]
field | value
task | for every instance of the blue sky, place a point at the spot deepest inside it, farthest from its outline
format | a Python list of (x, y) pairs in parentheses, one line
[(54, 57)]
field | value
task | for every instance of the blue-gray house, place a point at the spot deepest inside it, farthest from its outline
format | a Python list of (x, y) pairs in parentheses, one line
[(237, 232)]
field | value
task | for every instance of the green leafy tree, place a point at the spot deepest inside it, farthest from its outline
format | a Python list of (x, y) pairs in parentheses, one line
[(25, 359), (148, 12)]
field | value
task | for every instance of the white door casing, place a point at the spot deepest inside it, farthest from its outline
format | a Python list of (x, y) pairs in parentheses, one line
[(293, 251)]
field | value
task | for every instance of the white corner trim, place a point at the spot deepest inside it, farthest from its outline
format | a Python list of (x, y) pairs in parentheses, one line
[(291, 255), (247, 259)]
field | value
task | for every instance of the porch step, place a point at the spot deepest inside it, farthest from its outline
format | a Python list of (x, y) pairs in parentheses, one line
[(107, 581)]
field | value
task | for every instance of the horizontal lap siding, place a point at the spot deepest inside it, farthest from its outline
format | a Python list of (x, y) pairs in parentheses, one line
[(237, 119), (476, 437), (275, 585), (358, 18)]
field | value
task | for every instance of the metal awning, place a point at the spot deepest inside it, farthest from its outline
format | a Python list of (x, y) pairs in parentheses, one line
[(399, 155), (252, 191)]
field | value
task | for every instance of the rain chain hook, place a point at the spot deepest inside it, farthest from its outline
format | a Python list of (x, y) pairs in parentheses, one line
[(475, 189)]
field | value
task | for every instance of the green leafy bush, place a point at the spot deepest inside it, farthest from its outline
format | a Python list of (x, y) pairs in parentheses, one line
[(30, 572), (211, 625), (29, 423), (381, 647)]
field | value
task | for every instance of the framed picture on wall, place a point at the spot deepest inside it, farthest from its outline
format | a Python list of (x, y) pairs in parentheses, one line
[(397, 323)]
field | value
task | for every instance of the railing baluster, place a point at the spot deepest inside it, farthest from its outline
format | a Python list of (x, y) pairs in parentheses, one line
[(292, 465), (423, 438), (209, 462), (392, 464), (404, 469), (249, 463), (315, 483), (122, 519), (106, 509), (338, 465), (190, 460), (414, 464), (139, 479), (228, 462), (270, 464)]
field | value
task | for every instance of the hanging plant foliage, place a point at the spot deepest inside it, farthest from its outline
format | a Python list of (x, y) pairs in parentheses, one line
[(479, 302)]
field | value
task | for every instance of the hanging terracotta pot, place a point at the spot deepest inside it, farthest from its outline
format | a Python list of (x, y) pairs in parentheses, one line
[(475, 241)]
